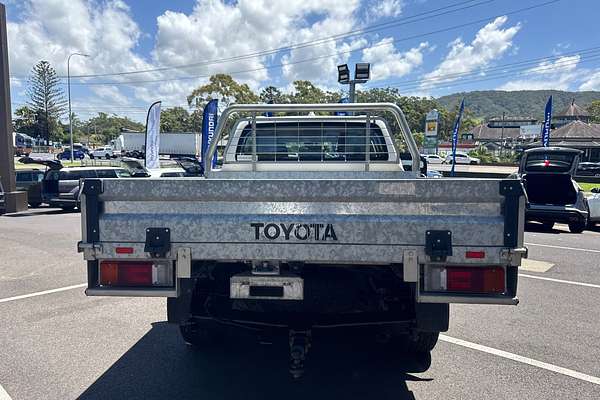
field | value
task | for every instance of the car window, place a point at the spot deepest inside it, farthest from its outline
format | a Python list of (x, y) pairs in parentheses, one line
[(38, 176), (123, 173), (76, 175), (106, 173), (317, 141), (24, 177)]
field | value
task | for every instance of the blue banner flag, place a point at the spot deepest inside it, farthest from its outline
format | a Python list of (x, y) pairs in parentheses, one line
[(455, 134), (343, 101), (209, 123), (547, 123), (152, 143)]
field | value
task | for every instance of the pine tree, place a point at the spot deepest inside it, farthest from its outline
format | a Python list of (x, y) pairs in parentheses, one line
[(46, 99)]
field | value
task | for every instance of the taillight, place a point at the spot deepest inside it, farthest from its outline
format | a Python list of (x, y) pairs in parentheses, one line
[(136, 273), (465, 279)]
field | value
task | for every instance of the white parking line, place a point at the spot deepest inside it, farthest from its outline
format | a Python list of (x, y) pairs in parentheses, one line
[(3, 394), (25, 296), (563, 247), (521, 359), (543, 278)]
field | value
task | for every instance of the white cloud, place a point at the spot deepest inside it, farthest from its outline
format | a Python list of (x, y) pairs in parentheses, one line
[(490, 43), (385, 8), (592, 82), (388, 62), (558, 74)]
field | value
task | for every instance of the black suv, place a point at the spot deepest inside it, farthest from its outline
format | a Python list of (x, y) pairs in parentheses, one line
[(552, 194)]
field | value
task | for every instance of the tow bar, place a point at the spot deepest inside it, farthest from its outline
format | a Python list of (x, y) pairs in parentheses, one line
[(299, 345)]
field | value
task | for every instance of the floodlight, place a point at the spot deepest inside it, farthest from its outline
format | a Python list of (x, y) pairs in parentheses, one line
[(343, 73), (362, 72)]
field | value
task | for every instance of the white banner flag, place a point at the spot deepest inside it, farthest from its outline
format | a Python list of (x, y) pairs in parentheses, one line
[(153, 136)]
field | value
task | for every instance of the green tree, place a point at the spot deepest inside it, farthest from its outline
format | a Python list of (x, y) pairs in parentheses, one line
[(306, 93), (224, 88), (177, 119), (25, 121), (594, 110), (271, 94), (107, 127), (46, 99)]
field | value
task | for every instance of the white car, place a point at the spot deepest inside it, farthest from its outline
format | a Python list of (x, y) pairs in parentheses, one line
[(594, 204), (463, 158), (167, 173), (102, 152), (433, 159)]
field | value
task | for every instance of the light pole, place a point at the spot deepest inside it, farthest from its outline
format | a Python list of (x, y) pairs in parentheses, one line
[(362, 73), (69, 91)]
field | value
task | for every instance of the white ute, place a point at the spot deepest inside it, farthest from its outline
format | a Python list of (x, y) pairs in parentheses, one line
[(310, 223)]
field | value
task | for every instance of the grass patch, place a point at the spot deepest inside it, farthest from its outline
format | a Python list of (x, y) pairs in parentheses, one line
[(587, 187)]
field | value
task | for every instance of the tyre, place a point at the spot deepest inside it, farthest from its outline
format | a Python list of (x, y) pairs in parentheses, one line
[(577, 227), (419, 342), (547, 226), (107, 156), (34, 205), (91, 156), (201, 333), (68, 208), (473, 163)]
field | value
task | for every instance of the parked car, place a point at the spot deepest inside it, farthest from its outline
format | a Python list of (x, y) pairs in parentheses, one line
[(102, 152), (167, 173), (463, 158), (553, 195), (30, 181), (433, 158), (78, 154), (434, 174), (60, 186), (321, 228), (588, 169), (594, 205)]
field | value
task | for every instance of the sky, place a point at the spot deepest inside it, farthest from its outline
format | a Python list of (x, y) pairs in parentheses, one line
[(142, 51)]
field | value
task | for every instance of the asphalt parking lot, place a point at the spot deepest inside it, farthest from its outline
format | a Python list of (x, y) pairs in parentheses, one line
[(55, 343)]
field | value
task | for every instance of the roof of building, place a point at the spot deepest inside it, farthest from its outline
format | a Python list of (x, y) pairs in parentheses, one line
[(577, 129), (573, 110), (484, 132)]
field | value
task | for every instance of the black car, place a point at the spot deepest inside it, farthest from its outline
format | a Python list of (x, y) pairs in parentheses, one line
[(588, 169), (552, 194), (30, 181)]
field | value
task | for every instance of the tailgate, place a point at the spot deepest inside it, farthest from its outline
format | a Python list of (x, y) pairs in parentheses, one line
[(313, 221)]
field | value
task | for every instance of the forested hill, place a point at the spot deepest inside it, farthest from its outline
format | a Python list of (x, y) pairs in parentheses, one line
[(524, 103)]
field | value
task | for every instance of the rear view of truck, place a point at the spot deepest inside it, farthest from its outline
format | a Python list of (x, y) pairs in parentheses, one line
[(311, 223)]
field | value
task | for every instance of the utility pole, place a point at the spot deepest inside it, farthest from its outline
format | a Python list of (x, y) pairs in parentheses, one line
[(69, 90), (502, 134), (14, 201)]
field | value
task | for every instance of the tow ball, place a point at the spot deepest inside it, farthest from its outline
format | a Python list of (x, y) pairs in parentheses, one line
[(299, 345)]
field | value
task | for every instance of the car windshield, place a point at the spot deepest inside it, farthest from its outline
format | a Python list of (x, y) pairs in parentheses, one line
[(549, 162)]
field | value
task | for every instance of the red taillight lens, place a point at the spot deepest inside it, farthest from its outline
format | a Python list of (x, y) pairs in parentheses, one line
[(126, 273), (475, 254), (124, 250), (475, 279)]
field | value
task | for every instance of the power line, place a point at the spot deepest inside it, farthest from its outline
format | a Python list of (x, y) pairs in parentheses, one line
[(371, 28), (395, 40), (520, 65)]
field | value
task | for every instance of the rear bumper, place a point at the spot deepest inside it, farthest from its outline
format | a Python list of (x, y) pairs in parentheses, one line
[(559, 214)]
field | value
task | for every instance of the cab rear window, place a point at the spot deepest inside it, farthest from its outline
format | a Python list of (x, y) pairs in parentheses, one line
[(316, 141)]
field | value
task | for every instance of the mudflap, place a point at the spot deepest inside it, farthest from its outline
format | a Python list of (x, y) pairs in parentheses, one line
[(432, 317)]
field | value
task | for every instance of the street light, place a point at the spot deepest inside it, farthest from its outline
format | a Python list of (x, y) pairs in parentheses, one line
[(362, 73), (69, 91)]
